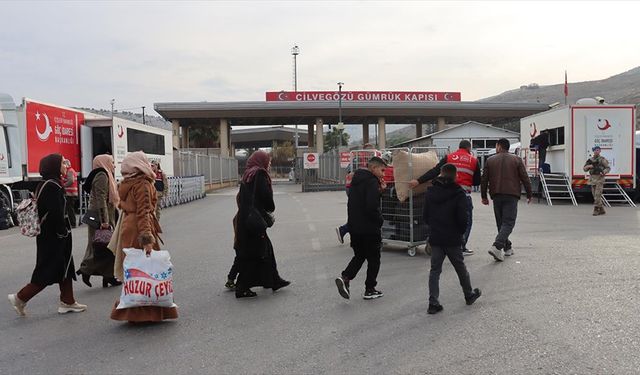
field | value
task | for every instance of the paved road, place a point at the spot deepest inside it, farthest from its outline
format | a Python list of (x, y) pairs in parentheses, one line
[(567, 302)]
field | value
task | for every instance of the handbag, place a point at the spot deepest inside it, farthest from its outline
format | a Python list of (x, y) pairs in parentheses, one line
[(92, 219), (102, 236), (256, 222)]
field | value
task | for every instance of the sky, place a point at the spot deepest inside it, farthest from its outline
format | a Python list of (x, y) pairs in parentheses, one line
[(85, 53)]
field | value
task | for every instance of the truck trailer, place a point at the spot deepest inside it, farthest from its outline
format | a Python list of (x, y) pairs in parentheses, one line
[(573, 131)]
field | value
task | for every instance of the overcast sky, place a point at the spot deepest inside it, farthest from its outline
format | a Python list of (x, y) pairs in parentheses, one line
[(139, 52)]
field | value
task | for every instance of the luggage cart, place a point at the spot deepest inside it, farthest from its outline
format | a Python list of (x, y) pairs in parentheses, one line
[(403, 224)]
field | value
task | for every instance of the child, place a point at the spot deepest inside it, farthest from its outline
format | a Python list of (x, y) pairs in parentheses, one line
[(445, 211)]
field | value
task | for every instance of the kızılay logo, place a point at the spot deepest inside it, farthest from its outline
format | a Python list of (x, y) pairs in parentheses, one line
[(603, 124), (2, 157), (44, 135), (533, 129), (120, 131)]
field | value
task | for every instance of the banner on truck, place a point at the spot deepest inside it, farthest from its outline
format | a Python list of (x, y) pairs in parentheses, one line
[(52, 130), (610, 129)]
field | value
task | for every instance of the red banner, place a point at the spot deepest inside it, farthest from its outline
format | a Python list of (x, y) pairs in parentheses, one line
[(363, 96), (52, 130)]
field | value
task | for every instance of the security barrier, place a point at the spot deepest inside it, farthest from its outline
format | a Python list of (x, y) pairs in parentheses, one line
[(215, 169), (183, 190)]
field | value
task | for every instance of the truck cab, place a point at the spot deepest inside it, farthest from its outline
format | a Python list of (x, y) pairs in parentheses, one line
[(10, 151)]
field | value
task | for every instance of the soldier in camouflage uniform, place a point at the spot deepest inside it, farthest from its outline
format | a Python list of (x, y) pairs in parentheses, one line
[(598, 167)]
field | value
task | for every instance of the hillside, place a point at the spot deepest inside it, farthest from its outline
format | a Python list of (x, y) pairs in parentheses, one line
[(155, 121), (621, 88)]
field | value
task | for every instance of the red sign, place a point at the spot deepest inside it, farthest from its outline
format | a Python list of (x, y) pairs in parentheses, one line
[(52, 130), (311, 158), (345, 159), (363, 96)]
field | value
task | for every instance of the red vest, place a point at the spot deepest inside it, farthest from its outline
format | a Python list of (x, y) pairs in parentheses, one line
[(466, 165), (73, 188)]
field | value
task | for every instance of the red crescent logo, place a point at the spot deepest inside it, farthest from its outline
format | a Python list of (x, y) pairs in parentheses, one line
[(455, 157), (1, 156), (282, 96), (120, 131), (606, 124), (534, 131)]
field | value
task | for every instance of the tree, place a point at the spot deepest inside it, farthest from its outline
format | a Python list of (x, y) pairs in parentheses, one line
[(282, 154), (332, 139), (203, 137)]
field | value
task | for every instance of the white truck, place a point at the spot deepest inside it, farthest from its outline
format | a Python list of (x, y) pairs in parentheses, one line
[(35, 129), (574, 130)]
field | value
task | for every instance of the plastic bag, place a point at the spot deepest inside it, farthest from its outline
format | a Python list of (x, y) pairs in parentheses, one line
[(148, 281)]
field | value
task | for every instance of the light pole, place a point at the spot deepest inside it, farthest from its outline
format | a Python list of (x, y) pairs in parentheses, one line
[(340, 124), (295, 51)]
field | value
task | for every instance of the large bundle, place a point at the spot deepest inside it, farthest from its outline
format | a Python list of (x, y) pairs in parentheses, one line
[(420, 163)]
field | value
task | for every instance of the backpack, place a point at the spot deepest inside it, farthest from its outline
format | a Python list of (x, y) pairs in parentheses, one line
[(27, 212)]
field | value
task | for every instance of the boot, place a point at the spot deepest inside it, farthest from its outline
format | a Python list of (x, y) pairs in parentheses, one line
[(596, 212), (601, 211)]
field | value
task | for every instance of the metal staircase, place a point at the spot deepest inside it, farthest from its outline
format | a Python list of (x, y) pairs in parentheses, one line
[(613, 193), (557, 186)]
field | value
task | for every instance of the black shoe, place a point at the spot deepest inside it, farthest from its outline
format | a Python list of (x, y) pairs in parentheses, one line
[(246, 294), (85, 278), (106, 281), (372, 294), (434, 309), (343, 287), (474, 296), (281, 284), (231, 285)]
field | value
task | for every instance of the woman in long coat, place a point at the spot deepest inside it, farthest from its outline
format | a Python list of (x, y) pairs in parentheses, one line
[(254, 251), (103, 197), (139, 229), (54, 261)]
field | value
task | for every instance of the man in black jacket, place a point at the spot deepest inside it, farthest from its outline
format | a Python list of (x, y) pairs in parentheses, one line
[(445, 211), (364, 221)]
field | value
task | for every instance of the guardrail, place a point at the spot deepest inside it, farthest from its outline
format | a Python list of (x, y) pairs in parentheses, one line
[(183, 190)]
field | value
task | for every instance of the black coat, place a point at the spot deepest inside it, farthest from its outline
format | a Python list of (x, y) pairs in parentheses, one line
[(54, 261), (363, 207), (445, 211), (249, 244)]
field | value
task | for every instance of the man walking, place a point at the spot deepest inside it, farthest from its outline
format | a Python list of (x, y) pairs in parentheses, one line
[(598, 167), (446, 213), (467, 176), (70, 182), (365, 222), (503, 175)]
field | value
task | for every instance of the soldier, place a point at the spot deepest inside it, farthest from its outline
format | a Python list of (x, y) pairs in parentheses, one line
[(598, 167)]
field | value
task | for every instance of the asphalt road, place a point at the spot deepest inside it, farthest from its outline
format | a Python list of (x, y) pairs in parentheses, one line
[(565, 303)]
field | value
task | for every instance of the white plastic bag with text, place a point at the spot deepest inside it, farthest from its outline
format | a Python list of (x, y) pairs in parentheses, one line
[(148, 281)]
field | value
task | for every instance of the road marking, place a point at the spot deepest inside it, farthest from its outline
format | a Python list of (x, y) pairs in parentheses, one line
[(312, 227), (315, 244)]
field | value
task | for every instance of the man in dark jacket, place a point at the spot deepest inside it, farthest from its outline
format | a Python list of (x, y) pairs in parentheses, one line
[(503, 175), (445, 211), (364, 221)]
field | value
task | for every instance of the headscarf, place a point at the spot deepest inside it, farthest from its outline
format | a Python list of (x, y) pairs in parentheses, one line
[(137, 163), (258, 161), (50, 167), (106, 162)]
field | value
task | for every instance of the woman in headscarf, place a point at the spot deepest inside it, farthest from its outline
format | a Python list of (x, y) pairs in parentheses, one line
[(139, 229), (54, 262), (254, 251), (103, 198)]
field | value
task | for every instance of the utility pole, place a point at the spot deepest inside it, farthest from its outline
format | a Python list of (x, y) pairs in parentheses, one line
[(295, 51), (340, 124), (143, 121)]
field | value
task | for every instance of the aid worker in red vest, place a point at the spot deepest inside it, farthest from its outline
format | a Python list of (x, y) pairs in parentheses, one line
[(468, 175), (70, 183)]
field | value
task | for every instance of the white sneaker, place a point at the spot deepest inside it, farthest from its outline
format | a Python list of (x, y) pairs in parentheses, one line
[(75, 307), (508, 253), (17, 304), (497, 254)]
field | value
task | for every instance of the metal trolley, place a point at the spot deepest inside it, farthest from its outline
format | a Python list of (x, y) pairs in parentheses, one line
[(403, 224)]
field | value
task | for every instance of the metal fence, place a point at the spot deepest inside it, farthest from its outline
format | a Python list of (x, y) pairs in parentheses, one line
[(328, 177), (183, 190), (214, 168)]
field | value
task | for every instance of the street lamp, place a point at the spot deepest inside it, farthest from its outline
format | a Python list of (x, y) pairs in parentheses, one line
[(340, 123), (295, 51)]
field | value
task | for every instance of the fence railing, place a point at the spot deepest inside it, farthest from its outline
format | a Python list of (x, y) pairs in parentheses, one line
[(214, 168), (183, 190)]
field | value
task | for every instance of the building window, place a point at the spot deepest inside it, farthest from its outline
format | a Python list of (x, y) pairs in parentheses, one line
[(477, 143), (150, 143), (556, 136), (490, 143)]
